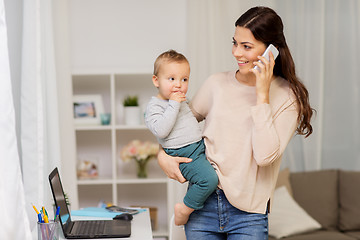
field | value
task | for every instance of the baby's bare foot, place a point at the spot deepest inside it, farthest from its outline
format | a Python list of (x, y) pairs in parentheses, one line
[(182, 213)]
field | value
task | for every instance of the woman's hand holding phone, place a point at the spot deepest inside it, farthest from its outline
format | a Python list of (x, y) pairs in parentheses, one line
[(270, 49), (263, 71)]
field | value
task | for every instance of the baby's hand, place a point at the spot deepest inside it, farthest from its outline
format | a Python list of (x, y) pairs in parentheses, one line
[(178, 96)]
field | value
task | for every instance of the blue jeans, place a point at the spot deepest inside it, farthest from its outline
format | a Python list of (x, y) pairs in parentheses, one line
[(218, 219)]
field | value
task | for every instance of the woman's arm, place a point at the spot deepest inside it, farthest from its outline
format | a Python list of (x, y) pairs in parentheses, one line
[(264, 78), (170, 165), (271, 134)]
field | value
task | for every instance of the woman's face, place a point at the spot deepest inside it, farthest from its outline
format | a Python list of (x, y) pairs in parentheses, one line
[(246, 49)]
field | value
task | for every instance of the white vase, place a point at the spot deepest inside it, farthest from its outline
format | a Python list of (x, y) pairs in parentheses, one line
[(132, 115)]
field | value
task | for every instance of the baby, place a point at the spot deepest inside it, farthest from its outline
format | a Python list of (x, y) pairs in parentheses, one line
[(171, 120)]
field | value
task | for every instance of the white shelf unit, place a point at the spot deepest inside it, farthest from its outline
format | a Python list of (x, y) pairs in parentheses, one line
[(117, 182)]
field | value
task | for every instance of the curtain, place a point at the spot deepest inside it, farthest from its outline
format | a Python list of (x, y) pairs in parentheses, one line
[(322, 36), (304, 27), (341, 118), (14, 222), (39, 112)]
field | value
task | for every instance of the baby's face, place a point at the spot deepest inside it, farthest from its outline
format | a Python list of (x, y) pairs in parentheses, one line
[(173, 77)]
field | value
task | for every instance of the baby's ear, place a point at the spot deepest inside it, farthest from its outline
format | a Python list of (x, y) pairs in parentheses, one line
[(155, 81)]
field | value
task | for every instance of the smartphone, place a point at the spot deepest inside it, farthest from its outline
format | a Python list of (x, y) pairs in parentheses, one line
[(274, 51)]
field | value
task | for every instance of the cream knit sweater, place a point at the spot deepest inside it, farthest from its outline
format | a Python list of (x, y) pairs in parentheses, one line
[(244, 141)]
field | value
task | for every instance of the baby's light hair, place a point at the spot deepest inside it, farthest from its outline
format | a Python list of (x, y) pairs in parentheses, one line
[(168, 56)]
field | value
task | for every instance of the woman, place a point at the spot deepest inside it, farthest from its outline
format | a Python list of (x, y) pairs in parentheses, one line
[(250, 117)]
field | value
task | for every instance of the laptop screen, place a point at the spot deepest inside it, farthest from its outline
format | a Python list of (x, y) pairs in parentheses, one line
[(59, 197), (112, 228)]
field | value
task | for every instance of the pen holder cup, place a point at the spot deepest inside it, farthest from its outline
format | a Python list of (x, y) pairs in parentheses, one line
[(48, 231)]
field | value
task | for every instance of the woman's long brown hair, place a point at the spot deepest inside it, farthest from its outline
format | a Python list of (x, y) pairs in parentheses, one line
[(267, 27)]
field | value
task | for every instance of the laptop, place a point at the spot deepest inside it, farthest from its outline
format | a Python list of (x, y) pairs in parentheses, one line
[(86, 228)]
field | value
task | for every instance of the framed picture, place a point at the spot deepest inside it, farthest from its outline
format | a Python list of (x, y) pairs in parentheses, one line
[(87, 109)]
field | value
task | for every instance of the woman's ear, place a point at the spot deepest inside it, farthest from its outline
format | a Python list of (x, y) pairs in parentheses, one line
[(155, 81)]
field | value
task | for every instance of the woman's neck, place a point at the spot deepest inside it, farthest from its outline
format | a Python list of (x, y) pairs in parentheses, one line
[(247, 79)]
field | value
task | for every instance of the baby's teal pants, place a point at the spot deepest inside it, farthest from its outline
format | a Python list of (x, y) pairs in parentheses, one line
[(201, 175)]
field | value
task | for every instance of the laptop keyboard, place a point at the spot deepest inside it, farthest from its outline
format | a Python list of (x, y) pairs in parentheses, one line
[(90, 227)]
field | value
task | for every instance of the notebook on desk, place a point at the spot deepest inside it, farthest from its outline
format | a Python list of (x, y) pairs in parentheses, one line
[(84, 229)]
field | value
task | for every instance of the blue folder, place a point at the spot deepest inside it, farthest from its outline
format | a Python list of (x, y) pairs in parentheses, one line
[(97, 212)]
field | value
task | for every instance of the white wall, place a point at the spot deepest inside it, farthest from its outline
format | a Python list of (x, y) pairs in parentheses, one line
[(64, 85), (126, 35)]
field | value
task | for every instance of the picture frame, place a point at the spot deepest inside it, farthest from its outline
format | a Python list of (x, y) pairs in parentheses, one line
[(87, 109)]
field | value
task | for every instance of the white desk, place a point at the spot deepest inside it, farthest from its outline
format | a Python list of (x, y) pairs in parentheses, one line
[(140, 227)]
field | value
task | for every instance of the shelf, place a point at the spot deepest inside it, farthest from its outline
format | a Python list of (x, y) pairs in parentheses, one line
[(127, 127), (122, 181), (141, 180), (92, 127), (109, 127), (117, 181), (98, 181)]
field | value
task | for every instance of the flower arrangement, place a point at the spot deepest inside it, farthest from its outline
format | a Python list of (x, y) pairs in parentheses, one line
[(141, 152)]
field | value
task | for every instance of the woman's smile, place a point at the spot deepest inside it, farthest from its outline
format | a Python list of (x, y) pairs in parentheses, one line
[(242, 62)]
